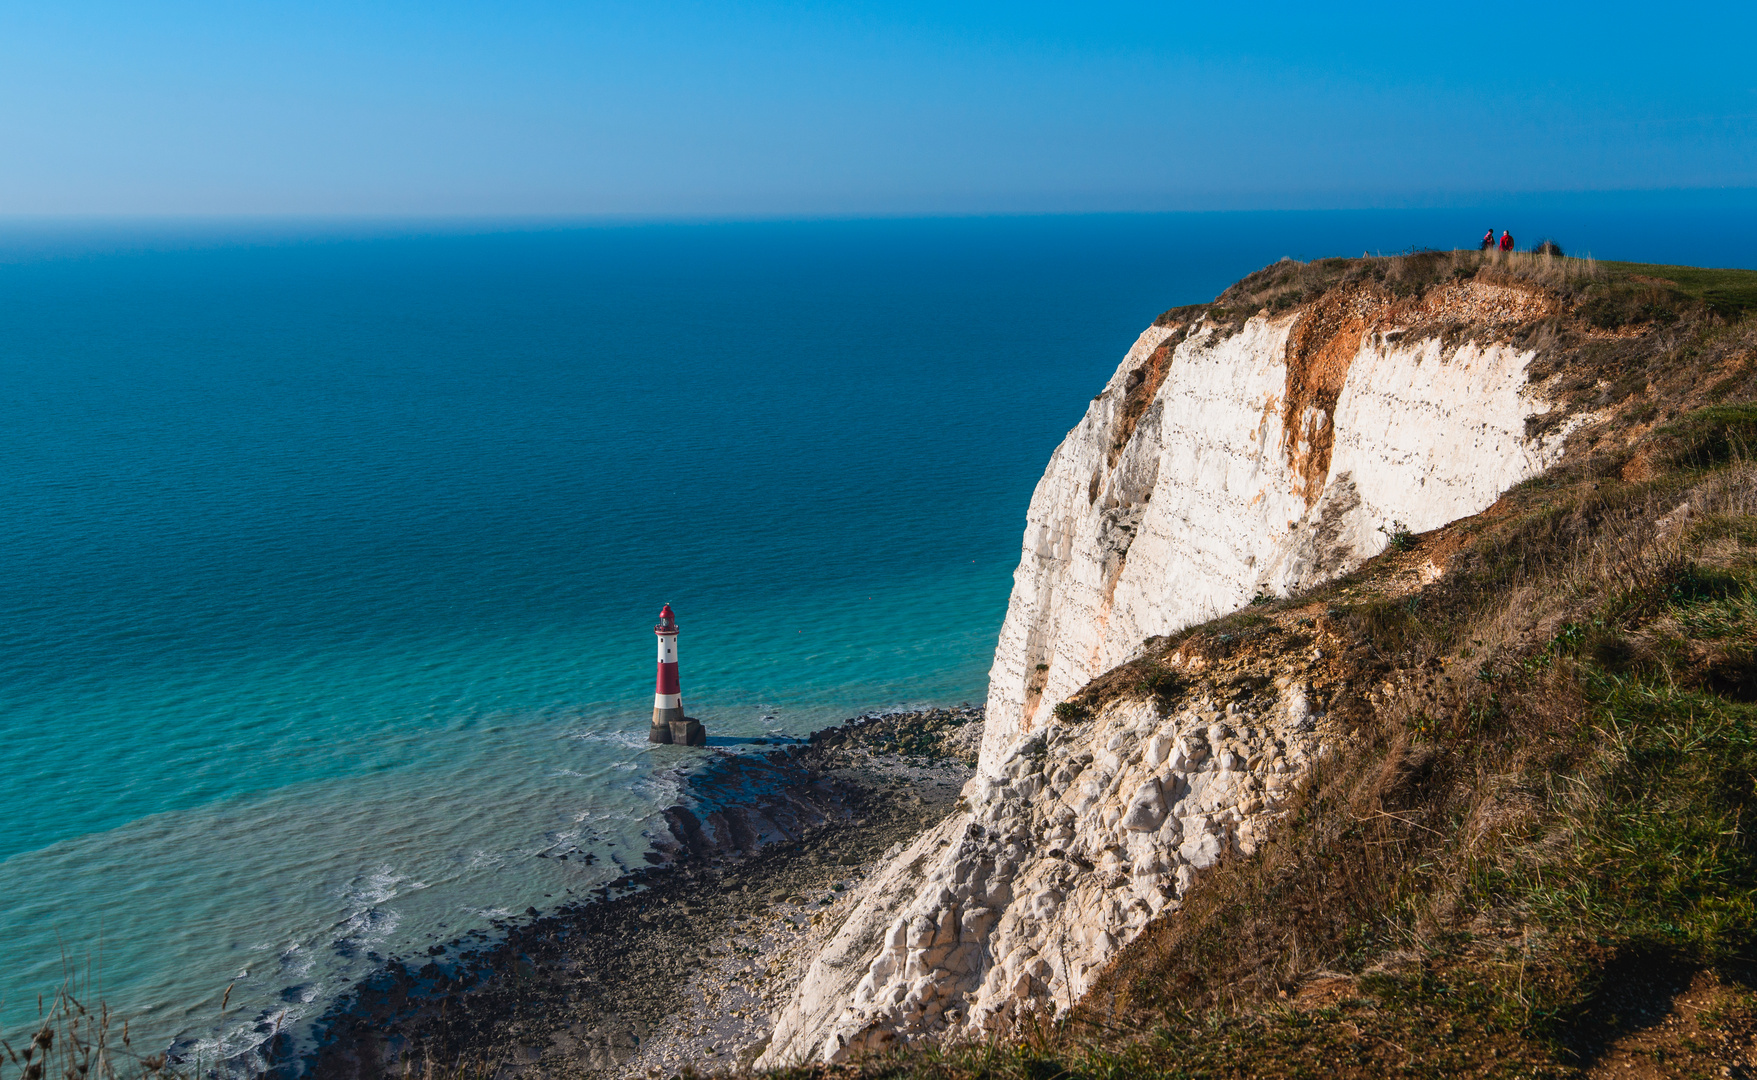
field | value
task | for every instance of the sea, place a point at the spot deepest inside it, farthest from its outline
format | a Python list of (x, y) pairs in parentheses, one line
[(332, 550)]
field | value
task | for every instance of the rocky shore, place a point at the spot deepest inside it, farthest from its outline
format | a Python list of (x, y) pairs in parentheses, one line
[(683, 963)]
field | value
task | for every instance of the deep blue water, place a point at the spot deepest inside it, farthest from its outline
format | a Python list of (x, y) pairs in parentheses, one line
[(332, 553)]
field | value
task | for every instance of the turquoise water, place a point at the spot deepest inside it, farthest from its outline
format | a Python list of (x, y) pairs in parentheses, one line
[(332, 554)]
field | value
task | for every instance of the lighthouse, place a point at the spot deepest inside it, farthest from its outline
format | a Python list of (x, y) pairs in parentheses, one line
[(669, 723)]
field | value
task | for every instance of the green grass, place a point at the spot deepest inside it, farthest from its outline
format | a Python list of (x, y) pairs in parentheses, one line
[(1710, 437), (1662, 860), (1728, 293)]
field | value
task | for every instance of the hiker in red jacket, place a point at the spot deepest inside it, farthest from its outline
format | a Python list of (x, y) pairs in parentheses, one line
[(1506, 240), (1488, 241)]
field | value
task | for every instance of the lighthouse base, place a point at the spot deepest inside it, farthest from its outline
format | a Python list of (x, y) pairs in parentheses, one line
[(684, 732)]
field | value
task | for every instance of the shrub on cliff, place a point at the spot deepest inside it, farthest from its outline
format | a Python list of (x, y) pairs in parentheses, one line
[(1071, 712)]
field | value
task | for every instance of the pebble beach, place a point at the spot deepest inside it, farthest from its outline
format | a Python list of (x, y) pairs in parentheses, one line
[(680, 966)]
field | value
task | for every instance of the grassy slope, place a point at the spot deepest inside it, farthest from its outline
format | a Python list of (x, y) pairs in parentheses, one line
[(1531, 858), (1727, 292)]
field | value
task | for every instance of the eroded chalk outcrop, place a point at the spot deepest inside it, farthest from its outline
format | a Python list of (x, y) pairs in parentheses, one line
[(1079, 836), (1217, 464)]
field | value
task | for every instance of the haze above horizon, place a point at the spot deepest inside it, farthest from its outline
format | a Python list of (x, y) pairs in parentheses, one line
[(767, 107)]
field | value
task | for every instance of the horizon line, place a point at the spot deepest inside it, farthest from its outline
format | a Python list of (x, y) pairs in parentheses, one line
[(1428, 201)]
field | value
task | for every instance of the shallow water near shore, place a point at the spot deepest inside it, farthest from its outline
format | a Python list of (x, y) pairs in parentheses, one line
[(332, 555)]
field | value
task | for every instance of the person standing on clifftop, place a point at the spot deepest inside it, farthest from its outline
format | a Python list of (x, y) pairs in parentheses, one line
[(1506, 240), (1488, 241)]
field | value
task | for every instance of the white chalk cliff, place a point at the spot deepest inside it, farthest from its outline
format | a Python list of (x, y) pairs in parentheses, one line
[(1216, 465)]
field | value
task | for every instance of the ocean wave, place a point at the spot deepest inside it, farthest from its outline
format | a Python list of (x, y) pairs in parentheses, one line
[(630, 740)]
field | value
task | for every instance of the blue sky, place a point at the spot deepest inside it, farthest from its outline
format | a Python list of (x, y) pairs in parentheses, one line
[(774, 108)]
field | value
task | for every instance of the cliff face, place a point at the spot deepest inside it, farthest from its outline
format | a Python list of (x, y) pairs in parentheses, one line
[(1217, 467), (1219, 462)]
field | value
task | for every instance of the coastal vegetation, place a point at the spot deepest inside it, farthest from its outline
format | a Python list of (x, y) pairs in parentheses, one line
[(1608, 295), (71, 1041)]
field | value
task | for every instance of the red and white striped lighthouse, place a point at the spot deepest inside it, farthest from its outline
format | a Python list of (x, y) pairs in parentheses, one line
[(669, 723)]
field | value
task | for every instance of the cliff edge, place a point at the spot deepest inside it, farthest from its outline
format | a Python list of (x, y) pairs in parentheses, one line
[(1244, 454)]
